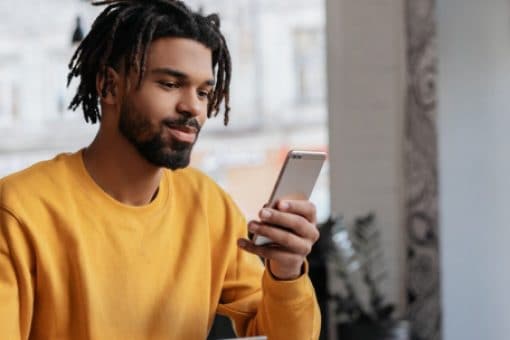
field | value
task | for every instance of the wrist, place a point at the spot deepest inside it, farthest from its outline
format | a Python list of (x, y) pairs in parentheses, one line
[(284, 273)]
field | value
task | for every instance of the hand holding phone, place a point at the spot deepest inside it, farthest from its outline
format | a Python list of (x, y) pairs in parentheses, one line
[(296, 181)]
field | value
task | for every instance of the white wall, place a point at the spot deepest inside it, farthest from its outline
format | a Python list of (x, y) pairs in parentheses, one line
[(474, 122), (366, 71)]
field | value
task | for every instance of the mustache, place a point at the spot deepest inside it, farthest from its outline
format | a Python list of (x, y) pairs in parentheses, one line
[(183, 122)]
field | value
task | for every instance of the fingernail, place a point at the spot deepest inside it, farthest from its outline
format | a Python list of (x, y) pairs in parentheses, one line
[(242, 243), (284, 205), (265, 213)]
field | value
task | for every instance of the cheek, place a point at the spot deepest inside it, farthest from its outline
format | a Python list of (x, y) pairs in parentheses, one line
[(154, 104), (202, 119)]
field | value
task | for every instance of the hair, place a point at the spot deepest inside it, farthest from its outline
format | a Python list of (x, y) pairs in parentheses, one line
[(121, 36)]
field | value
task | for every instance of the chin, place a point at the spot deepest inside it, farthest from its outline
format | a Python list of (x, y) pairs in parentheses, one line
[(176, 166), (172, 155), (172, 160)]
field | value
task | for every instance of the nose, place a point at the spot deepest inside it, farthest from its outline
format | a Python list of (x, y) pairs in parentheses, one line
[(189, 104)]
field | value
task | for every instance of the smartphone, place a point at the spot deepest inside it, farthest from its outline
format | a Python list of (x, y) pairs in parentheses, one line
[(296, 180)]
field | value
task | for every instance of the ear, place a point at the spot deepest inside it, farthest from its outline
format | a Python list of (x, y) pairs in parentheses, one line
[(108, 87)]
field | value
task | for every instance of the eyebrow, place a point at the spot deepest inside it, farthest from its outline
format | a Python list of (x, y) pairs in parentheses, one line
[(178, 74)]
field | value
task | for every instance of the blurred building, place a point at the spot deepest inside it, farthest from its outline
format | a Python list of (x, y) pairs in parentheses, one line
[(278, 90)]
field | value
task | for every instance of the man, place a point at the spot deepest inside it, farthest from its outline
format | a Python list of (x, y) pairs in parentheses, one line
[(121, 240)]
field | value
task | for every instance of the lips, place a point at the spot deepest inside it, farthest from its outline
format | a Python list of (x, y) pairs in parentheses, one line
[(183, 133)]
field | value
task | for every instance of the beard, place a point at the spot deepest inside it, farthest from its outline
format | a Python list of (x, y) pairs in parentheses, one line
[(149, 139)]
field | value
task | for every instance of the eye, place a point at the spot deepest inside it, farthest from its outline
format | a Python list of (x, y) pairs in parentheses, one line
[(204, 94), (169, 84)]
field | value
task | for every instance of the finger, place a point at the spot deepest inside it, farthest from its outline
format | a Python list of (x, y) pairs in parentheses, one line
[(295, 223), (272, 253), (286, 239), (303, 208)]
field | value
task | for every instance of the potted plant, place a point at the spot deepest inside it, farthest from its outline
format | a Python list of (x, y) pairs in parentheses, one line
[(361, 311)]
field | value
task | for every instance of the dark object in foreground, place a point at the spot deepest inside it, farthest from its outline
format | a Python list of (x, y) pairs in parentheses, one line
[(367, 329)]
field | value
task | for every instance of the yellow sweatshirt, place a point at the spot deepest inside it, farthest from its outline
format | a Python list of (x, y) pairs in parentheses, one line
[(77, 264)]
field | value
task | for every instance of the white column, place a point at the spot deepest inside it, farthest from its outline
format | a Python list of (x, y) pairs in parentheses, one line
[(367, 86), (474, 117)]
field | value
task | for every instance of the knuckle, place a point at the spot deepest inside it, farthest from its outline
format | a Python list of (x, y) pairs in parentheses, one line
[(313, 208), (286, 239), (300, 226), (300, 222), (316, 235), (307, 249)]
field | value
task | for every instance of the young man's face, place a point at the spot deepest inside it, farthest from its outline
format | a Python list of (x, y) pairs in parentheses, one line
[(163, 117)]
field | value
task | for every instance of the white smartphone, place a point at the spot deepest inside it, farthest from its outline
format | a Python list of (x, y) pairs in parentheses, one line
[(296, 180)]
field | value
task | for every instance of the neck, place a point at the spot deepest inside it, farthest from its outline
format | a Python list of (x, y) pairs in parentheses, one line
[(118, 168)]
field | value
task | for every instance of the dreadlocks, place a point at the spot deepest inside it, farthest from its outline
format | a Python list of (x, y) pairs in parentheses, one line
[(122, 34)]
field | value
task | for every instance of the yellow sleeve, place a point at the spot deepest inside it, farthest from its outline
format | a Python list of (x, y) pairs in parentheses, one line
[(258, 304), (289, 309), (16, 279)]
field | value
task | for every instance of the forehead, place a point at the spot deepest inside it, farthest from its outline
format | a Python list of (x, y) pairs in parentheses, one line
[(184, 55)]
